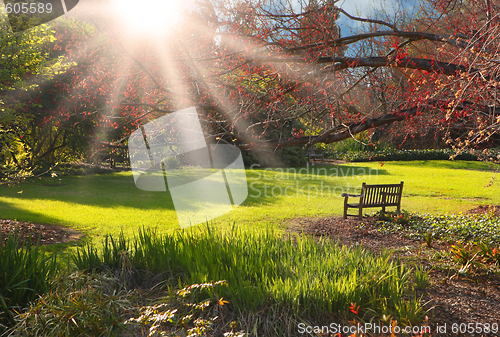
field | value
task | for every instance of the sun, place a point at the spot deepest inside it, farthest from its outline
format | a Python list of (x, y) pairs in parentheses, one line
[(149, 16)]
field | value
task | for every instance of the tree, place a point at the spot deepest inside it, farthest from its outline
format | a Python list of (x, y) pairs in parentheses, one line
[(269, 66), (444, 74), (266, 75), (65, 104), (24, 57)]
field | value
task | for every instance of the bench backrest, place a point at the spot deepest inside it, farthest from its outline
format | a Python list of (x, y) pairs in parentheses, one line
[(380, 195)]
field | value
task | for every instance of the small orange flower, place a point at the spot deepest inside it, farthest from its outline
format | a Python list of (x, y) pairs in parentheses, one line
[(354, 309), (222, 302)]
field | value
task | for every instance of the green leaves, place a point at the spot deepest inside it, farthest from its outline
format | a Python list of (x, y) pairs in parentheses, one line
[(450, 228), (181, 311), (79, 305), (22, 55)]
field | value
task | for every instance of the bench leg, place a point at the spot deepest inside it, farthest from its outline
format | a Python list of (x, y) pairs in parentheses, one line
[(345, 208), (361, 213)]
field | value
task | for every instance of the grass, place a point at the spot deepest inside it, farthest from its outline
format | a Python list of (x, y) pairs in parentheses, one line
[(311, 279), (286, 279), (24, 274), (110, 203)]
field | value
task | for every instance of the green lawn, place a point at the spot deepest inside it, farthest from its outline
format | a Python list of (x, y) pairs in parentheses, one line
[(101, 204)]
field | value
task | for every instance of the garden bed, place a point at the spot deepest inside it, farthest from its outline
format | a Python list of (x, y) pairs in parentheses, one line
[(48, 234), (452, 297)]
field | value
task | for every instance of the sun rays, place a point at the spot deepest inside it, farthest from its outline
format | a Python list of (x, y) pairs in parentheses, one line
[(174, 57)]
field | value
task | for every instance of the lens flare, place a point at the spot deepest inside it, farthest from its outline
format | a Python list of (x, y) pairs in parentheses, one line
[(149, 16)]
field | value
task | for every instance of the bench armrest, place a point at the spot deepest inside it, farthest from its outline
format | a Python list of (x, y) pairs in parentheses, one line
[(351, 195)]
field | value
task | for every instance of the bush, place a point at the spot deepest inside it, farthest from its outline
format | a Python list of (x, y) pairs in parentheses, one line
[(172, 163), (353, 145), (25, 272), (97, 305), (406, 155), (79, 305), (181, 314), (79, 169), (287, 157), (398, 217)]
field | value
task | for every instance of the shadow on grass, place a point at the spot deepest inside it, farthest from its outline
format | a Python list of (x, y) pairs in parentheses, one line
[(119, 190), (110, 192), (106, 191), (266, 185), (7, 210)]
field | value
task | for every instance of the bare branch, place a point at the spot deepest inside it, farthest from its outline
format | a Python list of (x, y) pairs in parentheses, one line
[(378, 22)]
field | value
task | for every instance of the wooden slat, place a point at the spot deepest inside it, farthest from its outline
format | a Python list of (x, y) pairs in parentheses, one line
[(374, 194), (368, 193)]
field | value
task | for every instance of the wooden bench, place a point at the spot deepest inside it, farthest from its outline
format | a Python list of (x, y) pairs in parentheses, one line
[(375, 196), (311, 154)]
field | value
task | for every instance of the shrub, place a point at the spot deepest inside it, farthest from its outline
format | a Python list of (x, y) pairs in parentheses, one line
[(78, 305), (181, 314), (66, 169), (488, 253), (172, 163), (398, 217), (405, 155), (97, 305), (287, 157), (464, 256)]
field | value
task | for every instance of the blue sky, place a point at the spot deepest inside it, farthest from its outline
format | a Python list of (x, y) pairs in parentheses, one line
[(367, 9)]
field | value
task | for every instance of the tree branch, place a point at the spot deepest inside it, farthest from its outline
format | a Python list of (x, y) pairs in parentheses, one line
[(409, 62), (379, 22), (352, 129)]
